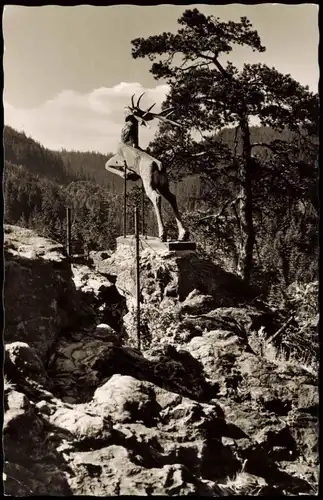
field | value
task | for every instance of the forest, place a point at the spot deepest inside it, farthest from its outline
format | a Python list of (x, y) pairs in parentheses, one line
[(39, 184)]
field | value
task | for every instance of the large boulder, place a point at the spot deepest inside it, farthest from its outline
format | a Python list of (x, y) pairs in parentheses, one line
[(32, 464), (40, 296), (127, 399), (23, 363), (89, 359), (274, 406), (162, 272), (111, 471)]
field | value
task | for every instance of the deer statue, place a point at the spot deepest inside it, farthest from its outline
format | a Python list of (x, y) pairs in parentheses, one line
[(134, 163)]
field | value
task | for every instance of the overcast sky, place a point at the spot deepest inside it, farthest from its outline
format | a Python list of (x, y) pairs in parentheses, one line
[(68, 71)]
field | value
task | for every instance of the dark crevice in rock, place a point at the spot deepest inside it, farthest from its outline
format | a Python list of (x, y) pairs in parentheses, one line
[(278, 406), (260, 462), (281, 438), (208, 277), (167, 373), (114, 307), (233, 431), (312, 410), (140, 452), (188, 456), (94, 470), (218, 461)]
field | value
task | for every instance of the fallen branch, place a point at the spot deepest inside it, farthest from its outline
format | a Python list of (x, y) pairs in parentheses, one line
[(202, 153), (274, 148), (264, 145), (280, 331), (216, 216)]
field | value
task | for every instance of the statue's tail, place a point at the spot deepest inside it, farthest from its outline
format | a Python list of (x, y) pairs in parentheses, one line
[(160, 180), (158, 165)]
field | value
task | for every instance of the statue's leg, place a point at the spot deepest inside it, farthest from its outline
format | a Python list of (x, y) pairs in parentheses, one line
[(120, 171), (155, 198), (114, 170), (183, 234)]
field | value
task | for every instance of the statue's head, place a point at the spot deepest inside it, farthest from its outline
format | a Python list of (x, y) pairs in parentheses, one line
[(116, 161), (127, 112)]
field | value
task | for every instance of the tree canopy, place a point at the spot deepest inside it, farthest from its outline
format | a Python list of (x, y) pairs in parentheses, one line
[(208, 96)]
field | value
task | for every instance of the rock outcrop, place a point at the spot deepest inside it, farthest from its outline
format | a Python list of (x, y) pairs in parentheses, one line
[(47, 295), (170, 274), (195, 412)]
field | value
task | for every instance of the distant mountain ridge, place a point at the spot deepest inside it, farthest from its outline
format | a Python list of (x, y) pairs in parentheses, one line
[(63, 166), (39, 184)]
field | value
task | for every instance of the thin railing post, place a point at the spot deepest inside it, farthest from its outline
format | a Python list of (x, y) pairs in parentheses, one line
[(137, 274), (125, 202), (143, 210), (68, 231)]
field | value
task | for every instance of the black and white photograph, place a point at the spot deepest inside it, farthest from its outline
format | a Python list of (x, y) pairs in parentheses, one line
[(160, 188)]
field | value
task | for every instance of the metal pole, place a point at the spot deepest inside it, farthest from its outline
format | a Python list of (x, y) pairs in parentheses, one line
[(137, 274), (143, 209), (125, 202), (68, 231)]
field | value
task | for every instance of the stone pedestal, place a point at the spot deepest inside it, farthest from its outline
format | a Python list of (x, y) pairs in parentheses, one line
[(153, 243)]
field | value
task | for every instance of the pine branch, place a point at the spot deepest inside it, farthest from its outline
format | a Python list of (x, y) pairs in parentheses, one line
[(219, 66), (220, 213), (265, 145), (193, 66)]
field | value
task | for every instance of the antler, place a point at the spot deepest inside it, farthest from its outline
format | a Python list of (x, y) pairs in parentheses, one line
[(137, 105), (163, 116), (167, 111), (145, 116), (149, 109), (167, 120)]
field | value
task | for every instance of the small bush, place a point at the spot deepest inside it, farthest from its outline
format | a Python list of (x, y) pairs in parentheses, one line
[(159, 324)]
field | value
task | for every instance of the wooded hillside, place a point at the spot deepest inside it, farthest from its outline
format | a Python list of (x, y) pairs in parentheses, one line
[(39, 184)]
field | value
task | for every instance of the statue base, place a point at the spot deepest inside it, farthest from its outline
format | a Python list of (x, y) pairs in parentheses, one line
[(153, 243)]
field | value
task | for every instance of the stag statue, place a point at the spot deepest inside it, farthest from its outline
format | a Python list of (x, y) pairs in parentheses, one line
[(134, 163)]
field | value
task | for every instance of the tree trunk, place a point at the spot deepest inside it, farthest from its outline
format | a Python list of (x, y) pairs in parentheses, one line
[(247, 232)]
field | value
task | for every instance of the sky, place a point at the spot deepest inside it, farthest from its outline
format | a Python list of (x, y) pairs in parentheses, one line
[(69, 73)]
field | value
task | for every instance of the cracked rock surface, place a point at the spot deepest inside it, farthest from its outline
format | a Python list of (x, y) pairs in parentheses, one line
[(87, 413)]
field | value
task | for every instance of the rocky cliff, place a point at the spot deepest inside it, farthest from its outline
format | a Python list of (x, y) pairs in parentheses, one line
[(196, 411)]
